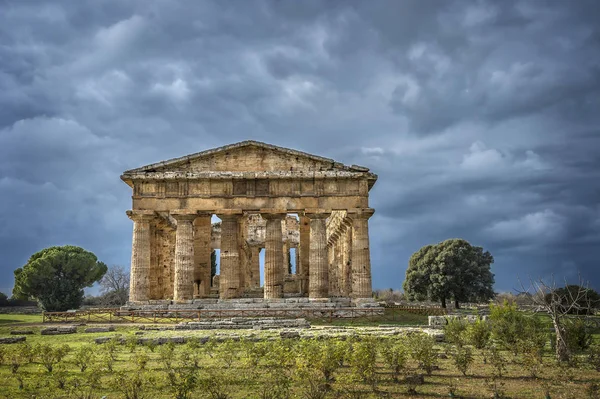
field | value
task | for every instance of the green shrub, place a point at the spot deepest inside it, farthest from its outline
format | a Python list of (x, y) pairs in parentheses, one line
[(579, 334), (132, 386), (49, 356), (594, 356), (455, 331), (166, 354), (422, 350), (362, 360), (478, 333), (507, 325), (395, 355), (498, 362), (141, 359), (228, 352), (84, 356), (462, 356)]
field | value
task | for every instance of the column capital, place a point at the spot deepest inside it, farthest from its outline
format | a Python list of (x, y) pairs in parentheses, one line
[(273, 216), (140, 215), (364, 213), (315, 213), (184, 217)]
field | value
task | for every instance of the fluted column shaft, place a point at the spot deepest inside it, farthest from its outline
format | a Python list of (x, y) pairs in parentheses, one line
[(273, 257), (318, 284), (254, 266), (286, 258), (229, 280), (331, 255), (139, 286), (361, 258), (202, 263), (304, 254), (183, 287), (347, 258), (339, 260)]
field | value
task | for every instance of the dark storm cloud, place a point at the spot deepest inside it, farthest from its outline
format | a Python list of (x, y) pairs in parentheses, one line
[(479, 117)]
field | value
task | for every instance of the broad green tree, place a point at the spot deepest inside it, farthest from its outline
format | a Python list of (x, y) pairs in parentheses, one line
[(451, 270), (56, 277)]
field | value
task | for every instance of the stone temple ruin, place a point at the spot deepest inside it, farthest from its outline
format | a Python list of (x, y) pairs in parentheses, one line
[(267, 198)]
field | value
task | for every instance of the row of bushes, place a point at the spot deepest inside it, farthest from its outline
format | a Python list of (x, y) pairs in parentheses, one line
[(268, 369)]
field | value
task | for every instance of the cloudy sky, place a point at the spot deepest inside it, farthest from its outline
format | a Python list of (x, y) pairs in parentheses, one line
[(481, 118)]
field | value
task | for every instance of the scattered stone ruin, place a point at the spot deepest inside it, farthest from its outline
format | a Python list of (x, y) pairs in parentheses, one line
[(268, 198)]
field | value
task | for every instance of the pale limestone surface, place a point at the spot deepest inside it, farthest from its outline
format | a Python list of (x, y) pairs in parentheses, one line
[(268, 198)]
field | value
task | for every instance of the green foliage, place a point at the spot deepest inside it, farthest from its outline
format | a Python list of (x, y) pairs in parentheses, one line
[(462, 356), (56, 277), (228, 352), (362, 360), (594, 356), (166, 353), (507, 324), (422, 349), (318, 360), (84, 356), (51, 355), (496, 359), (455, 332), (579, 334), (395, 354), (132, 386), (3, 299), (452, 269), (478, 333), (141, 359)]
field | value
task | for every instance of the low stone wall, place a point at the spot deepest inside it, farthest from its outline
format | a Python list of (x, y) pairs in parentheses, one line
[(441, 321), (236, 323), (20, 310), (339, 333)]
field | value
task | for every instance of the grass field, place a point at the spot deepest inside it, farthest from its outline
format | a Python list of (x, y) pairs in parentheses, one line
[(272, 368), (10, 319)]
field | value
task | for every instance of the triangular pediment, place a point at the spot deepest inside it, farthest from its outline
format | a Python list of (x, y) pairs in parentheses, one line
[(248, 156)]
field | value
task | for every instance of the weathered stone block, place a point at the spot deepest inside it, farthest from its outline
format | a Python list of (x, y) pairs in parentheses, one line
[(99, 329), (22, 332), (12, 340)]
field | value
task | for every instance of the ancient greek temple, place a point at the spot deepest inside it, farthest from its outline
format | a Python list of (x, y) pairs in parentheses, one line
[(296, 207)]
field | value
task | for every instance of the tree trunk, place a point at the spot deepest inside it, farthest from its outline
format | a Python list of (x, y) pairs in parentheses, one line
[(456, 304), (563, 354), (444, 303)]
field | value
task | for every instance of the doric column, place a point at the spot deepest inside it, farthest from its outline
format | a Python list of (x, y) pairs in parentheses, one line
[(318, 284), (273, 257), (286, 258), (361, 258), (202, 263), (183, 287), (304, 254), (334, 260), (254, 266), (139, 285), (229, 280), (243, 255), (339, 259), (347, 257)]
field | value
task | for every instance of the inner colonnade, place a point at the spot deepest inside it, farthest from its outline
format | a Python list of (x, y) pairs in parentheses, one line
[(253, 188)]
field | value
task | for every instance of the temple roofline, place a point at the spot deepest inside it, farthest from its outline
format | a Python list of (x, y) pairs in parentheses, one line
[(246, 143)]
